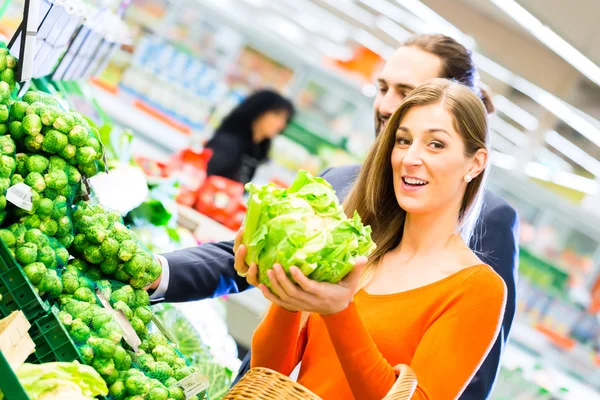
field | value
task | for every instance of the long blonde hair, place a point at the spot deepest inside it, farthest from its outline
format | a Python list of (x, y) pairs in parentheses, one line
[(373, 193)]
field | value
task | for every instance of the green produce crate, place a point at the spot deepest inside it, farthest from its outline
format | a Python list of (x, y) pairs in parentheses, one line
[(16, 290), (9, 384), (52, 341)]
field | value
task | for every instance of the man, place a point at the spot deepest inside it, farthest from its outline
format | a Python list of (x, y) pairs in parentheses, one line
[(208, 270)]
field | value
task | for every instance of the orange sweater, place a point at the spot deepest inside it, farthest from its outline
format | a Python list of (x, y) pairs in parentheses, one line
[(443, 331)]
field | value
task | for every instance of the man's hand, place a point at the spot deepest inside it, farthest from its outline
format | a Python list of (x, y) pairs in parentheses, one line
[(249, 272), (311, 296)]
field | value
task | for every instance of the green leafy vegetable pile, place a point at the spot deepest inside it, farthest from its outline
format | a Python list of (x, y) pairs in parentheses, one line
[(303, 226)]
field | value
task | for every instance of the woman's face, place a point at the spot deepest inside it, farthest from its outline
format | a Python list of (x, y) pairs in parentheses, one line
[(429, 162), (270, 124)]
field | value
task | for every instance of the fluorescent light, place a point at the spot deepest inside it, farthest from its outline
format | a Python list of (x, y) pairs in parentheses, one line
[(538, 171), (398, 15), (516, 113), (329, 24), (576, 182), (509, 131), (353, 11), (286, 29), (333, 50), (428, 15), (573, 152), (552, 160), (392, 29), (372, 43), (548, 37), (504, 161)]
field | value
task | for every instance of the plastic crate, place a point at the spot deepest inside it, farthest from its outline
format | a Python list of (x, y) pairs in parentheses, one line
[(9, 384), (16, 289), (52, 341)]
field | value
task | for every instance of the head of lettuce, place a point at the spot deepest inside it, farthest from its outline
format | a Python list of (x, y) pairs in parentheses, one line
[(303, 226)]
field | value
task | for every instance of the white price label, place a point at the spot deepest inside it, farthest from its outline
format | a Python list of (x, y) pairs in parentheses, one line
[(20, 195), (193, 384)]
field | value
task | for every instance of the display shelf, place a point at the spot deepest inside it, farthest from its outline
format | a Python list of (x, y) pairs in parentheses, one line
[(122, 109), (205, 229)]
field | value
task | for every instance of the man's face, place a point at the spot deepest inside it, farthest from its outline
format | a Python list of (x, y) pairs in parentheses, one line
[(408, 68)]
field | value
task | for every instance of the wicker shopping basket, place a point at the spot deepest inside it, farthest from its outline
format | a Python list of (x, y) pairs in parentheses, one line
[(266, 384)]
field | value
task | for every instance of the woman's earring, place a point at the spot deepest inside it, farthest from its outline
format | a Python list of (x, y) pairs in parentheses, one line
[(468, 178)]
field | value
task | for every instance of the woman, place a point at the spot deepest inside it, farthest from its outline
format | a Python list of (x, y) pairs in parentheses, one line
[(423, 298), (243, 140)]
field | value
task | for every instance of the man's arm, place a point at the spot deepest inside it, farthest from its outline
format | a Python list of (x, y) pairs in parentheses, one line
[(198, 273), (496, 242)]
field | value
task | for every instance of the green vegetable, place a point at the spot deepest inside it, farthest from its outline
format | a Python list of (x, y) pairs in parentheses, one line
[(141, 298), (54, 142), (49, 227), (94, 274), (16, 131), (158, 393), (73, 175), (101, 317), (92, 254), (103, 348), (78, 136), (111, 331), (7, 146), (122, 359), (161, 370), (144, 314), (80, 242), (64, 123), (121, 275), (56, 180), (51, 283), (110, 265), (118, 391), (70, 283), (62, 255), (3, 114), (16, 178), (119, 305), (104, 366), (304, 226), (68, 152), (17, 111), (36, 181), (8, 237), (87, 354), (26, 253), (66, 240), (61, 380), (84, 294), (47, 256), (32, 221), (156, 339), (122, 295), (45, 208), (96, 234), (79, 331), (35, 272), (121, 234), (85, 155), (183, 372), (32, 125), (137, 385), (170, 382), (4, 92), (138, 326), (137, 265), (8, 76), (164, 353), (176, 393), (7, 166), (127, 250)]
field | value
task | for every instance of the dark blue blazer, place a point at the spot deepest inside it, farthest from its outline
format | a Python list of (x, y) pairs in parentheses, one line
[(207, 270)]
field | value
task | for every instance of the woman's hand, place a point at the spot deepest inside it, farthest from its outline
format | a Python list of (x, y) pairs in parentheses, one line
[(308, 295)]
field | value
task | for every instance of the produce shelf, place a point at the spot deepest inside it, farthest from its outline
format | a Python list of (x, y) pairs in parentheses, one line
[(9, 384), (52, 341)]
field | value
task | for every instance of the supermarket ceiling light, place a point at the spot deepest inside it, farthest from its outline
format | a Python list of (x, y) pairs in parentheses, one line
[(333, 50), (573, 152), (398, 15), (373, 43), (548, 37), (502, 160), (329, 25), (538, 171), (355, 12), (434, 19), (516, 113), (576, 182), (392, 29), (509, 132)]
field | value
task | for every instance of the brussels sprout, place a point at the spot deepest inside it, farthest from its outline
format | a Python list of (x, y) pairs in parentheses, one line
[(86, 155), (54, 142), (47, 256), (121, 275), (101, 317), (34, 143), (56, 180), (87, 354), (49, 115), (16, 178), (92, 254), (9, 76), (26, 253), (176, 393), (7, 146), (84, 294), (137, 385), (7, 166), (84, 223), (8, 237), (35, 272), (96, 234), (117, 390), (120, 233), (120, 305), (139, 327), (70, 283), (64, 123), (158, 393), (36, 163), (164, 353), (49, 227), (144, 314), (17, 111), (4, 91), (36, 181), (62, 255), (45, 207), (78, 136), (96, 145), (73, 175), (32, 125), (127, 252), (64, 226), (3, 113), (102, 220), (156, 339), (51, 283), (22, 159), (103, 348), (170, 382), (104, 366), (68, 152), (111, 331), (66, 240), (16, 131), (141, 298), (31, 222), (79, 331)]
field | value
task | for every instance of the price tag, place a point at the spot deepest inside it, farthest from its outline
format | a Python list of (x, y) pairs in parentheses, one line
[(20, 195), (129, 334), (193, 384)]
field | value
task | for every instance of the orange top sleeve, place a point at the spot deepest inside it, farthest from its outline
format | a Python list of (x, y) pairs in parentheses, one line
[(443, 331)]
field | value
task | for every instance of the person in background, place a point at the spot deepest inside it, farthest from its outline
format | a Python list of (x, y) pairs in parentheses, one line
[(211, 269), (423, 298), (243, 140)]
